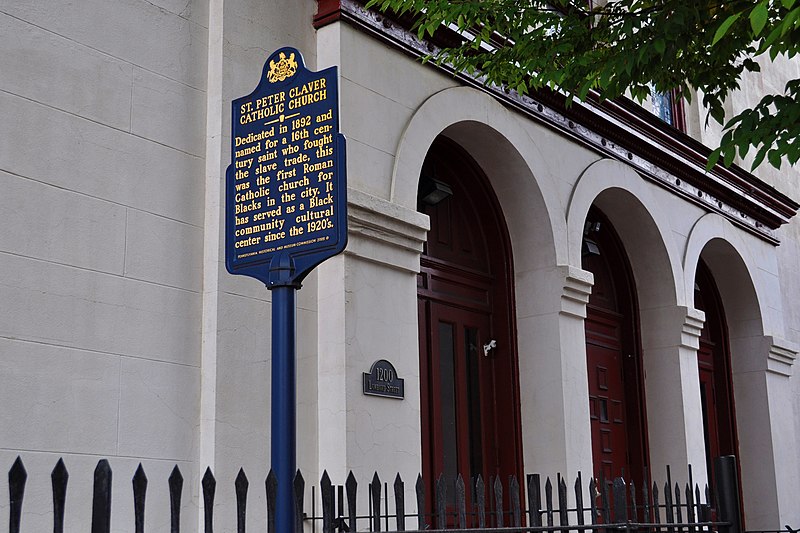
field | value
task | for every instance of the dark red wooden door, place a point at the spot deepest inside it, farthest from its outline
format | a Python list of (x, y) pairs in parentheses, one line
[(708, 402), (461, 417), (616, 390), (713, 362), (607, 403), (469, 396)]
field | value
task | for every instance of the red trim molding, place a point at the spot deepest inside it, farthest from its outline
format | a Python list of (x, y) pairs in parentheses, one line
[(328, 11)]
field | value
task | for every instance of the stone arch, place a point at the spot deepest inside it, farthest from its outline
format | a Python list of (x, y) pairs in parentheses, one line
[(638, 217), (745, 272), (638, 212), (746, 267), (494, 137), (529, 199)]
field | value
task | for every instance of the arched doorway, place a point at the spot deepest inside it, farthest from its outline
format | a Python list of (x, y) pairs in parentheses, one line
[(468, 361), (714, 368), (613, 356)]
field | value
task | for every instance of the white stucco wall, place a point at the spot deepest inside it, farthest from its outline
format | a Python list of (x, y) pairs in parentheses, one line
[(102, 145)]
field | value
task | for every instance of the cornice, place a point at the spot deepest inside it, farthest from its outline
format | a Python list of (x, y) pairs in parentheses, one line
[(619, 129), (385, 233)]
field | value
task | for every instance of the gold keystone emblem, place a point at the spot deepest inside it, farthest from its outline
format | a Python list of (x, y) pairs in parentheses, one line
[(284, 68)]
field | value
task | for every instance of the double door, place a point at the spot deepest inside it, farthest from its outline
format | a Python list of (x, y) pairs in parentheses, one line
[(469, 385)]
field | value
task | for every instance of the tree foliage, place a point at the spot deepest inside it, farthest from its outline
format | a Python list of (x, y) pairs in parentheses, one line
[(634, 47)]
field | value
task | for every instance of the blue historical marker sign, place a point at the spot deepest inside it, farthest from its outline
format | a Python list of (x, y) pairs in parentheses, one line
[(286, 201), (285, 212)]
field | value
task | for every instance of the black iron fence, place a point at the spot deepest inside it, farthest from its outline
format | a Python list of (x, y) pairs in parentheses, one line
[(613, 506)]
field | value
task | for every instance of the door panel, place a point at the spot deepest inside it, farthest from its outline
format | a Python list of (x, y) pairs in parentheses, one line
[(607, 408), (713, 361), (709, 407), (460, 403)]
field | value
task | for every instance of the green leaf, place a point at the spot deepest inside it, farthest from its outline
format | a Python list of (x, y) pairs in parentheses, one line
[(713, 158), (759, 157), (758, 18), (744, 148), (787, 3), (724, 27), (717, 112), (773, 36), (432, 26), (660, 46), (729, 155), (774, 157), (789, 21)]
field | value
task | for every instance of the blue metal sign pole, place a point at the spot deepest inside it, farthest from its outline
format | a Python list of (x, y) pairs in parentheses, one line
[(284, 423), (286, 212)]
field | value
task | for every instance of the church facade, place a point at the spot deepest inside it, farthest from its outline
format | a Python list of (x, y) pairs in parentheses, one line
[(561, 289)]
